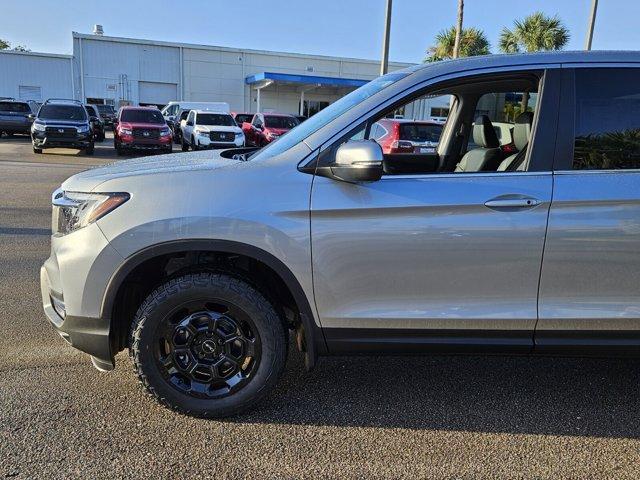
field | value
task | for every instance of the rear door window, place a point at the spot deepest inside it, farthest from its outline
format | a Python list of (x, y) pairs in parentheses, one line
[(607, 120)]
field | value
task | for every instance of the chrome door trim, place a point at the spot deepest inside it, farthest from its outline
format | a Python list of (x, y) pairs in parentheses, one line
[(464, 175)]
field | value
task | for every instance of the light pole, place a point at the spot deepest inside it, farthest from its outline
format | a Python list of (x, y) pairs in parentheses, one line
[(384, 64), (592, 22)]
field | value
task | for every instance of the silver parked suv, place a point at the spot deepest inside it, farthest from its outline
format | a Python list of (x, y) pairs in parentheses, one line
[(202, 264)]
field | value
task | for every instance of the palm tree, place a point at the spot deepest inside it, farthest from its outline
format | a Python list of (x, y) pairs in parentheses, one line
[(535, 33), (456, 43), (472, 42)]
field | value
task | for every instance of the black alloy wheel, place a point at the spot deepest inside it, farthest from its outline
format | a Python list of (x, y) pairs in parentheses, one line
[(208, 344), (207, 350)]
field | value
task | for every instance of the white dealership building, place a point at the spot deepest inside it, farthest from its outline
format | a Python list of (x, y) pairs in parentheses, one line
[(119, 71)]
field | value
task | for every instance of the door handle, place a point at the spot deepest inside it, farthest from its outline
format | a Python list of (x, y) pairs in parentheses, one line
[(512, 202)]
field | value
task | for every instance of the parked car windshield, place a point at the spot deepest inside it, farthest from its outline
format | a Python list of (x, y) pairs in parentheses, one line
[(215, 119), (280, 122), (106, 109), (142, 116), (328, 114), (15, 107), (62, 112), (420, 132)]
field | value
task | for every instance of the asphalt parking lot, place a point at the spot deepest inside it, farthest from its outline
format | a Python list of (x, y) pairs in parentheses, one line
[(434, 417)]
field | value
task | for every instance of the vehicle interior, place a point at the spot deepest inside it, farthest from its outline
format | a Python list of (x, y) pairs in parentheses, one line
[(488, 129)]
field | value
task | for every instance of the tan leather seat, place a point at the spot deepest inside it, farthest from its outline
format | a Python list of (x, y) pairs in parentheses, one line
[(521, 137), (489, 155)]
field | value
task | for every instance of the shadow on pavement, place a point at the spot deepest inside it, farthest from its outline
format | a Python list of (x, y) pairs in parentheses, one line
[(521, 395)]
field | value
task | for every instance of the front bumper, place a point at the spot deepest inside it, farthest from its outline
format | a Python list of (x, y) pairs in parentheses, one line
[(74, 279), (163, 143), (90, 335), (81, 140), (206, 142)]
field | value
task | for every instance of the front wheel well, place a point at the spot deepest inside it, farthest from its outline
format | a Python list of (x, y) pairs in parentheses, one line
[(152, 272)]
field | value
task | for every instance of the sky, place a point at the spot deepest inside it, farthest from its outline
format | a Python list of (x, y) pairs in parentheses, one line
[(345, 28)]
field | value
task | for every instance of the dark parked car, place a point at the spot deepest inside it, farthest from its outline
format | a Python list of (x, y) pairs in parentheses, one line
[(15, 117), (62, 123), (96, 122), (108, 114), (175, 125)]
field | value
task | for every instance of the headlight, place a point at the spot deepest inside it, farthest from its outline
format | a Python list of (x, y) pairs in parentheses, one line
[(39, 127), (126, 131), (83, 129), (165, 131), (239, 134), (74, 210), (202, 132)]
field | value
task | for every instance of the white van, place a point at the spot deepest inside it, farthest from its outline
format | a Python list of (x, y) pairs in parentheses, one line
[(173, 108)]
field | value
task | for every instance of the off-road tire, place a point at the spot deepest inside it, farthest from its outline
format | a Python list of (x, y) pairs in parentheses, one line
[(194, 287)]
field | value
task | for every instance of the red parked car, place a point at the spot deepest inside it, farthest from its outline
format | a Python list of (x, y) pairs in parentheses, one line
[(241, 118), (141, 128), (267, 127), (406, 136), (409, 146)]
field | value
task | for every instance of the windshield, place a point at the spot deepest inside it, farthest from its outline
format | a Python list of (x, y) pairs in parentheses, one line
[(142, 116), (420, 132), (328, 114), (14, 107), (280, 122), (215, 119), (62, 112), (106, 109)]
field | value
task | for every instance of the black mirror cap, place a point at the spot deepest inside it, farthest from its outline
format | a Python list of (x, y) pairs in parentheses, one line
[(369, 173)]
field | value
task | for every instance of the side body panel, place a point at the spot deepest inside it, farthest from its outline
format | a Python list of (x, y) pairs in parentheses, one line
[(425, 253)]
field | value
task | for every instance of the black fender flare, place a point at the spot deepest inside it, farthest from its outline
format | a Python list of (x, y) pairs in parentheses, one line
[(314, 337)]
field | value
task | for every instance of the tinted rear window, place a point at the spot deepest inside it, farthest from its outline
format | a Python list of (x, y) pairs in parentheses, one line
[(240, 119), (280, 122), (15, 107), (62, 112), (142, 116), (607, 123), (215, 119), (416, 132)]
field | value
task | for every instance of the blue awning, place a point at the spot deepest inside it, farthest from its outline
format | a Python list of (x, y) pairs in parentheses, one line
[(305, 80)]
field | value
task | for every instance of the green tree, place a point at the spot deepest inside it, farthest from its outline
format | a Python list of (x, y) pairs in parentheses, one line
[(472, 42), (534, 33), (4, 44)]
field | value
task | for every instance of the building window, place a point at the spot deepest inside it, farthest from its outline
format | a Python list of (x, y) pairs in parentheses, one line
[(607, 124), (311, 107), (439, 112), (30, 93)]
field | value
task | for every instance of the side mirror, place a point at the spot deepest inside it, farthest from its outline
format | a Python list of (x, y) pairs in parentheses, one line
[(171, 118), (190, 123), (358, 161)]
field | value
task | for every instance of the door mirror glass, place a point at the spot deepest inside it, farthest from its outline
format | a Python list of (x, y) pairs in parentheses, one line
[(190, 123), (358, 161)]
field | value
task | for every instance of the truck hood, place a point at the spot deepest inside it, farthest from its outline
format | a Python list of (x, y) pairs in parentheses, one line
[(89, 180)]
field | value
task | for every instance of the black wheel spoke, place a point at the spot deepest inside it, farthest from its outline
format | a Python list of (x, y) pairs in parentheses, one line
[(207, 350)]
